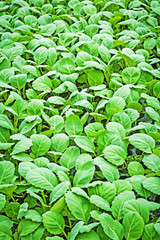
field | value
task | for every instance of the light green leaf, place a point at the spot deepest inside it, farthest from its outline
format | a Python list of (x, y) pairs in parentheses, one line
[(118, 203), (112, 228), (133, 226), (79, 206), (152, 184), (42, 178), (115, 154), (53, 222), (143, 142), (40, 55), (85, 143), (73, 125), (84, 174), (59, 142), (6, 172), (110, 172), (130, 75), (69, 157), (100, 202), (41, 144), (152, 161), (59, 191)]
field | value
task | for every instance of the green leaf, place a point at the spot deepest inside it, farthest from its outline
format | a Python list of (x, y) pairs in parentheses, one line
[(6, 172), (40, 55), (85, 143), (112, 228), (57, 123), (84, 174), (18, 81), (42, 177), (53, 222), (136, 206), (100, 202), (136, 182), (5, 232), (79, 206), (88, 236), (5, 123), (59, 191), (42, 83), (75, 230), (118, 203), (69, 157), (41, 144), (152, 161), (135, 168), (73, 125), (133, 226), (22, 146), (115, 154), (66, 66), (149, 232), (130, 75), (26, 227), (152, 184), (110, 172), (59, 142), (143, 142), (2, 201), (95, 77)]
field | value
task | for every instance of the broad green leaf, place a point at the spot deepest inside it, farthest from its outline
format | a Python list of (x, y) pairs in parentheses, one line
[(152, 184), (95, 77), (26, 227), (152, 161), (135, 168), (5, 232), (118, 203), (85, 143), (66, 66), (57, 123), (59, 142), (40, 55), (42, 177), (84, 174), (136, 206), (100, 202), (115, 154), (105, 190), (79, 206), (42, 83), (142, 141), (75, 230), (73, 125), (131, 75), (136, 182), (41, 144), (18, 81), (53, 222), (6, 172), (5, 123), (22, 146), (117, 128), (149, 232), (112, 228), (133, 226), (59, 191), (110, 172), (69, 157)]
